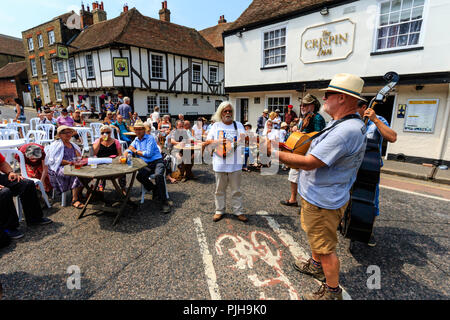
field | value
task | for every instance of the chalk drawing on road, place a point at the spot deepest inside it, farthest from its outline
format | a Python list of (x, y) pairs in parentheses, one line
[(246, 253)]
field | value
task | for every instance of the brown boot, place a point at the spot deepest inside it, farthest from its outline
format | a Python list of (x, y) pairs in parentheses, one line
[(309, 269), (324, 294)]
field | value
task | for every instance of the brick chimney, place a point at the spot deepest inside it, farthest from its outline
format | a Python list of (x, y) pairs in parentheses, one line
[(222, 20), (164, 13), (98, 12), (125, 7), (86, 18)]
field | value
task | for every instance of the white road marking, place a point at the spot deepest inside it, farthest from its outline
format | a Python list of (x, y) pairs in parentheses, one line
[(210, 273), (415, 193), (297, 252)]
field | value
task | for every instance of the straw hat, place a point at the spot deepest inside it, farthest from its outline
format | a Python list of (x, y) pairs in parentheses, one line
[(346, 83), (266, 111), (139, 124), (61, 128), (283, 124)]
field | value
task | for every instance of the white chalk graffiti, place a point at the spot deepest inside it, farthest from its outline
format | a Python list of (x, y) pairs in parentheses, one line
[(246, 253)]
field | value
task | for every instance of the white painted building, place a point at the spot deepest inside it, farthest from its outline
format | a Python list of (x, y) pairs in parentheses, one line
[(275, 51), (154, 62)]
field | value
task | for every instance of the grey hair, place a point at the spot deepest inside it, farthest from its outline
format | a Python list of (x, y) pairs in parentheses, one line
[(217, 117), (126, 99), (105, 127)]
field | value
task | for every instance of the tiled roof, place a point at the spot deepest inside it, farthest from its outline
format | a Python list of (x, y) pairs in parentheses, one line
[(260, 11), (11, 46), (13, 69), (214, 34), (134, 29)]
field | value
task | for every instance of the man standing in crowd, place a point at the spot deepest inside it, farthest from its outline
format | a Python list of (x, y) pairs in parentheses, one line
[(290, 115), (377, 127), (228, 168), (261, 123), (38, 103), (125, 110), (328, 172)]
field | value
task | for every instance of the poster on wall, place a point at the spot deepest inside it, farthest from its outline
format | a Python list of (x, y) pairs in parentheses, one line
[(421, 115), (120, 67)]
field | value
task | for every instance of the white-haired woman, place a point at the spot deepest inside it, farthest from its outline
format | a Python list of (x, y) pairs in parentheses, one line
[(106, 146)]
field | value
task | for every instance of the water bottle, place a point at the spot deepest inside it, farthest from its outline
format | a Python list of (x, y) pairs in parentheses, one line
[(129, 160)]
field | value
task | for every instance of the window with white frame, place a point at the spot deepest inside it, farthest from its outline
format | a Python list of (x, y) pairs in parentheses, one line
[(213, 71), (51, 37), (37, 90), (196, 72), (90, 67), (61, 72), (72, 71), (274, 47), (40, 41), (43, 65), (30, 44), (161, 101), (157, 66), (399, 24), (274, 103), (58, 92), (54, 66), (33, 67)]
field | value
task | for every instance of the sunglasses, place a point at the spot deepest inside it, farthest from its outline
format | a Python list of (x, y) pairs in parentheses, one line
[(227, 111), (107, 132), (330, 93)]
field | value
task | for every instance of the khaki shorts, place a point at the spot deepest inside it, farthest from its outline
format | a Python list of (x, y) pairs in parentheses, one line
[(321, 226), (293, 175)]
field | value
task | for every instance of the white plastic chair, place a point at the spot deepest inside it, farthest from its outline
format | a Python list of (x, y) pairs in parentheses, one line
[(49, 132), (33, 123), (143, 190), (95, 126), (23, 172), (9, 134), (17, 126), (36, 136), (84, 136), (116, 135)]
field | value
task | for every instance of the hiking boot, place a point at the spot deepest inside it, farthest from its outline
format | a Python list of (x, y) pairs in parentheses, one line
[(323, 294), (372, 242), (309, 269), (14, 234)]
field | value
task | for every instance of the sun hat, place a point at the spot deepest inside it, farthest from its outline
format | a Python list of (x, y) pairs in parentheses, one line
[(62, 128), (277, 111), (247, 124), (346, 83), (283, 124), (139, 124), (266, 111)]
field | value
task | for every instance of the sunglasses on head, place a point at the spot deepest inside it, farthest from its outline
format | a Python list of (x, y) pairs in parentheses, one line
[(329, 93)]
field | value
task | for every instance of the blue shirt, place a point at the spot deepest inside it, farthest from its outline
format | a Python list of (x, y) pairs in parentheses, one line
[(342, 150), (149, 147), (123, 128), (372, 129), (124, 110)]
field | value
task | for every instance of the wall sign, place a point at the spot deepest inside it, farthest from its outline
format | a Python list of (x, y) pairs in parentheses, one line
[(327, 42), (421, 115), (401, 110), (62, 52), (121, 67)]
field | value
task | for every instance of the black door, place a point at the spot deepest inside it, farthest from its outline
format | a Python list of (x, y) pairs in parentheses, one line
[(244, 110)]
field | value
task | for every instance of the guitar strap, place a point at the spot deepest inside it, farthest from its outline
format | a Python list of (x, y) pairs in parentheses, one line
[(347, 117)]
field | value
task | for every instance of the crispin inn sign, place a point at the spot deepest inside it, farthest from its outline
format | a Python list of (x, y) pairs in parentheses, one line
[(327, 42)]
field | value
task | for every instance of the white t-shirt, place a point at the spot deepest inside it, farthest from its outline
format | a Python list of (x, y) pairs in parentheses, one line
[(197, 132), (234, 161), (155, 116)]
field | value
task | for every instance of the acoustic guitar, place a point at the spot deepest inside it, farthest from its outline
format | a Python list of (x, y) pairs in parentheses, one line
[(359, 217), (297, 142)]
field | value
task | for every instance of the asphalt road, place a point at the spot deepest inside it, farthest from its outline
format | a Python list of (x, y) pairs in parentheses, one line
[(185, 255)]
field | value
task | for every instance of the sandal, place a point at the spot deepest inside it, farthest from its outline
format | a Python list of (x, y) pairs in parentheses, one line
[(79, 206), (289, 204)]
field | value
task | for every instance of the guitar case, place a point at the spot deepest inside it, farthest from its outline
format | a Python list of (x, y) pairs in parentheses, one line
[(359, 217)]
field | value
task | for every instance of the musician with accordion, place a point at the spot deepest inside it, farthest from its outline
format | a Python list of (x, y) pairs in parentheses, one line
[(328, 172)]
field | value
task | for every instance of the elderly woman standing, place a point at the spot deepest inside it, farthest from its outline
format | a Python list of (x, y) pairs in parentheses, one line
[(58, 154)]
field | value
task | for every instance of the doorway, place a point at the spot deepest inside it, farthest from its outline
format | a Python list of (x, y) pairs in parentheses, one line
[(385, 110), (242, 110), (46, 92)]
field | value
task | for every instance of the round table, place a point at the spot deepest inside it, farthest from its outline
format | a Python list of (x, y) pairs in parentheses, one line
[(23, 125), (8, 144), (130, 133), (188, 146)]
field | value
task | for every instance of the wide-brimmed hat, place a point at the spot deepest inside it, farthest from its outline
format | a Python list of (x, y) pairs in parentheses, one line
[(247, 124), (346, 83), (62, 128), (139, 124), (283, 124)]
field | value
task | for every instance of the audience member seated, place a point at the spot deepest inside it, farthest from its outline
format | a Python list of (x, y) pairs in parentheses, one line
[(146, 148), (109, 119), (106, 146), (34, 155), (78, 118), (11, 185), (121, 128), (64, 119), (58, 154)]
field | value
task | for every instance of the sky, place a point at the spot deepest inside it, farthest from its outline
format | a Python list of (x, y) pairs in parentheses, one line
[(20, 15)]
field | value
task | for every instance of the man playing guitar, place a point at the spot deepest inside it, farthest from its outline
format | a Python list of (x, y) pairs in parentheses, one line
[(328, 172), (227, 137)]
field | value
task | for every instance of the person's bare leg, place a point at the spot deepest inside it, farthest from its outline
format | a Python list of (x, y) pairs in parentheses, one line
[(330, 265), (293, 197)]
